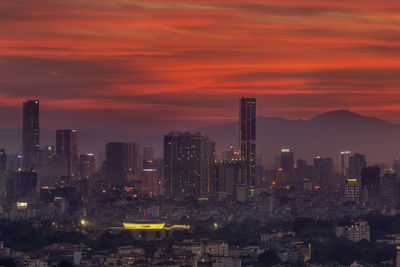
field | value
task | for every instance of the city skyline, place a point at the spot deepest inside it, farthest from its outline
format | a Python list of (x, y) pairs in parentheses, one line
[(166, 63), (228, 133), (382, 150)]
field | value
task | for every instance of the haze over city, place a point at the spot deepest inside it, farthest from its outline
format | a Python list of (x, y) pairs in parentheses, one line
[(240, 133)]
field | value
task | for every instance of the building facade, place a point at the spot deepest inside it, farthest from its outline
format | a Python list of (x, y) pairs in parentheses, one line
[(247, 135), (30, 132), (67, 152), (188, 158)]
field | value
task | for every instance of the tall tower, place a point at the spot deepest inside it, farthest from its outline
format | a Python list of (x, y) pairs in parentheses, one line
[(356, 163), (247, 134), (30, 132), (344, 163), (323, 171), (116, 163), (287, 160), (67, 151)]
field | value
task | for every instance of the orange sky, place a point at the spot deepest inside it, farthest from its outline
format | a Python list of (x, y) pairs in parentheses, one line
[(155, 65)]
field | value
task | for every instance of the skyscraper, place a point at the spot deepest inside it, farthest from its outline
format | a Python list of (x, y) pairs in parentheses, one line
[(188, 158), (287, 161), (303, 170), (247, 135), (67, 151), (87, 165), (356, 163), (3, 159), (30, 132), (226, 174), (134, 161), (370, 179), (323, 171), (352, 188), (116, 163), (344, 163)]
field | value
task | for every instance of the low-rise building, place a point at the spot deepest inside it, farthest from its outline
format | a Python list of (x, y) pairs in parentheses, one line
[(354, 231)]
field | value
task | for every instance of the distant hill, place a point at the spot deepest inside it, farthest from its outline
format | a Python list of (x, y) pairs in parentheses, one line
[(326, 135)]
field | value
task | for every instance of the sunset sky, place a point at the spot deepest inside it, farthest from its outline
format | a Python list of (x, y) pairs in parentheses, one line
[(155, 65)]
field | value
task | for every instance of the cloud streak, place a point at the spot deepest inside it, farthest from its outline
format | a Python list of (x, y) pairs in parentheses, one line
[(183, 63)]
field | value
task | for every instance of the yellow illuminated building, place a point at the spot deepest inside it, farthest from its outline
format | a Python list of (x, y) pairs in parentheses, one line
[(153, 226), (352, 190)]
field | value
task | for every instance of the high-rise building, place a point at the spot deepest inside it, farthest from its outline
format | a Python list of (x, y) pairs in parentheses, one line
[(14, 162), (147, 158), (303, 170), (356, 163), (188, 158), (287, 161), (134, 162), (352, 189), (323, 171), (87, 165), (396, 167), (3, 160), (46, 166), (388, 189), (344, 163), (149, 179), (116, 163), (226, 174), (22, 185), (229, 153), (30, 132), (67, 152), (247, 134), (370, 179)]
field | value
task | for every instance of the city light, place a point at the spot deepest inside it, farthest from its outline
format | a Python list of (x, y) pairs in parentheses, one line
[(143, 226)]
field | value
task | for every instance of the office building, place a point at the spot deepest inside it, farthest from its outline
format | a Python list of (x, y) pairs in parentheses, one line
[(149, 182), (3, 160), (226, 174), (396, 167), (14, 162), (30, 132), (116, 163), (356, 163), (352, 190), (370, 179), (229, 153), (389, 190), (87, 165), (247, 134), (303, 170), (22, 185), (67, 152), (344, 163), (188, 158), (287, 161), (323, 171), (134, 161)]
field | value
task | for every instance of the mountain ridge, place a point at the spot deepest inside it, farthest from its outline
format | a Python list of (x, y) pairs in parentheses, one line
[(325, 134)]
